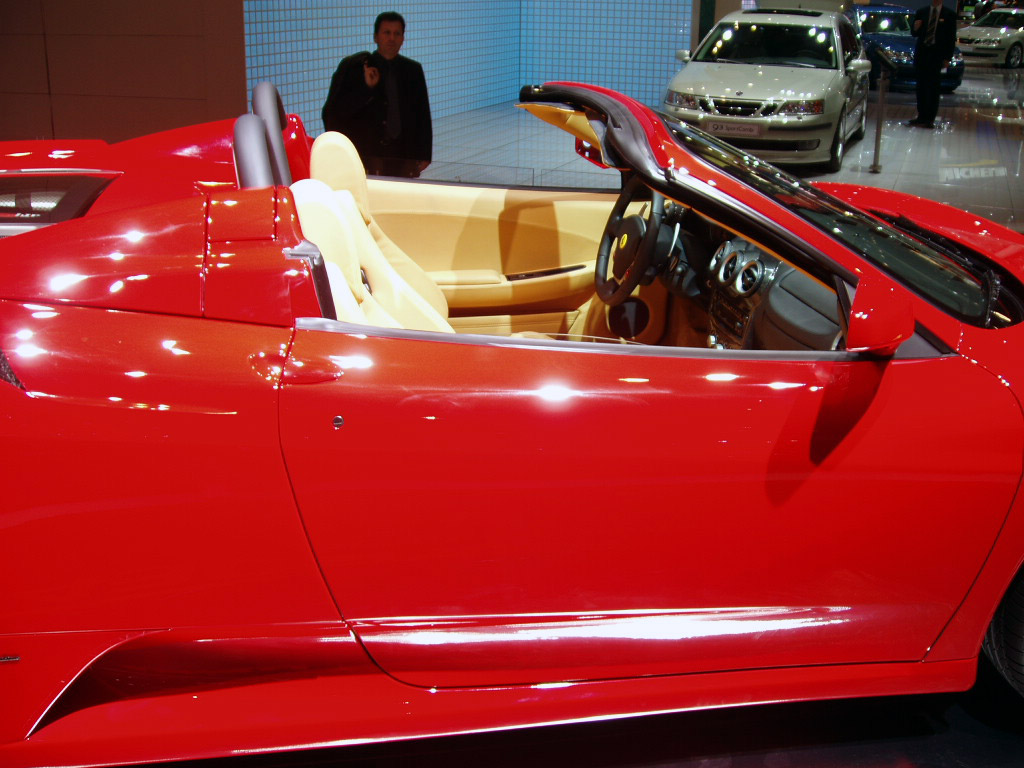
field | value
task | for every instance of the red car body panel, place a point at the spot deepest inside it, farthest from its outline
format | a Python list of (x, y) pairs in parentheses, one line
[(651, 577), (233, 526)]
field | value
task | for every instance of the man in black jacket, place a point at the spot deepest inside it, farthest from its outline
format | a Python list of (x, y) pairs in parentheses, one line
[(935, 29), (379, 100)]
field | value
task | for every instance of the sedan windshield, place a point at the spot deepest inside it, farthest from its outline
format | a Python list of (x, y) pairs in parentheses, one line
[(785, 45), (885, 23), (961, 281), (1000, 19)]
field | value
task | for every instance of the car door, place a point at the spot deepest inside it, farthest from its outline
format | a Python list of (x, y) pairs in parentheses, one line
[(856, 82), (511, 511)]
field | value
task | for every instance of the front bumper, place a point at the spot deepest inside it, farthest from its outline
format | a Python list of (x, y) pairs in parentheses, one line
[(983, 53), (779, 140)]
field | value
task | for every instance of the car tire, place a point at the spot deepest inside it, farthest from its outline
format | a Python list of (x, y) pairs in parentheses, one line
[(1004, 641), (1014, 56), (838, 149)]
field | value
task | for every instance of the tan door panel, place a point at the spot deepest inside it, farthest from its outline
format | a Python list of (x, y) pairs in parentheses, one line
[(474, 239)]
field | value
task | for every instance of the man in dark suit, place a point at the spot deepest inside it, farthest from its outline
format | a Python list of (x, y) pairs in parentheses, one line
[(935, 29), (379, 100)]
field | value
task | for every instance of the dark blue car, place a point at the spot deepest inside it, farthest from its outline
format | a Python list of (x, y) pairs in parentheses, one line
[(886, 26)]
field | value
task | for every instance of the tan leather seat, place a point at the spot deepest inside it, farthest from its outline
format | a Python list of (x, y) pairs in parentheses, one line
[(335, 161), (367, 289)]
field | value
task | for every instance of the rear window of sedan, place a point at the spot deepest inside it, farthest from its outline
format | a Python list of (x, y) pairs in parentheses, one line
[(770, 44)]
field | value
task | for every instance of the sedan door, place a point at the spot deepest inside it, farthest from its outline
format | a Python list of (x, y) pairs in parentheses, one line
[(502, 511)]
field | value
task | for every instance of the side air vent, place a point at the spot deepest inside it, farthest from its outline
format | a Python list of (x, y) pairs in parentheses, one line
[(749, 278), (728, 269)]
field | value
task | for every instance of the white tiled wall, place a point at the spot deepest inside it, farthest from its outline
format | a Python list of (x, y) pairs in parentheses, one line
[(474, 52)]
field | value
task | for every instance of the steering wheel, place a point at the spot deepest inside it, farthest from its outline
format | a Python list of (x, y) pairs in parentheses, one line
[(629, 243)]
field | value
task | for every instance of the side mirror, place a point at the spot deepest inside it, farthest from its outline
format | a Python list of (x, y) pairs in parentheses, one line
[(879, 320), (859, 66), (683, 56)]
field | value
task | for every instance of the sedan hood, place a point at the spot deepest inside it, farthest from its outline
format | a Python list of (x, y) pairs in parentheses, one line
[(752, 81), (981, 33)]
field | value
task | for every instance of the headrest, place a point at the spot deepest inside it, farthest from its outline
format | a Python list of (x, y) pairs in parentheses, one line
[(335, 161), (252, 155), (266, 102)]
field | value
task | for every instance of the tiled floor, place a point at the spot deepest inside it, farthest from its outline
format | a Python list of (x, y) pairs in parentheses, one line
[(973, 160)]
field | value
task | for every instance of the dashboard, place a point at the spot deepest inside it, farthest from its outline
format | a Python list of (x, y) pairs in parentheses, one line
[(757, 301)]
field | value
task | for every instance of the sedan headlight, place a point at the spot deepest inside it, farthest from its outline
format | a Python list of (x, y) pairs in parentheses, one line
[(988, 43), (803, 107), (899, 56), (681, 100)]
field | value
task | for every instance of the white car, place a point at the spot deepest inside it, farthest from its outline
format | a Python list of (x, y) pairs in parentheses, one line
[(789, 86), (995, 38)]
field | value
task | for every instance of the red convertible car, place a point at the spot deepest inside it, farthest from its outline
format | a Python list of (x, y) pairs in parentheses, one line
[(298, 459)]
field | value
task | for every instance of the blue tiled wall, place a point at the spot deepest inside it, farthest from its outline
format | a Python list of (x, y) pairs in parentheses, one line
[(474, 52)]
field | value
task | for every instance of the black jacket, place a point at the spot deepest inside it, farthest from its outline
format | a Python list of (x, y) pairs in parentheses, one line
[(360, 112), (945, 33)]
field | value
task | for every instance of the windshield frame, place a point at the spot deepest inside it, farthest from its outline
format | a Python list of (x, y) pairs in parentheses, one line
[(956, 279), (762, 33)]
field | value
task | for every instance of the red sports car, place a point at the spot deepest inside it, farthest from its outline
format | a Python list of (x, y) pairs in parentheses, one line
[(297, 459)]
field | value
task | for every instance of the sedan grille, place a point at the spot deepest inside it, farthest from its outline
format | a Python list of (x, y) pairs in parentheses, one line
[(736, 107)]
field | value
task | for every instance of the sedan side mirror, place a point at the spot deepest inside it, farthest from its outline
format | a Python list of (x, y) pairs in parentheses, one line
[(859, 66), (683, 56), (880, 319)]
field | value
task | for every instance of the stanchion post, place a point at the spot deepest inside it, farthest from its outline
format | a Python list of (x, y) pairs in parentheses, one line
[(883, 88)]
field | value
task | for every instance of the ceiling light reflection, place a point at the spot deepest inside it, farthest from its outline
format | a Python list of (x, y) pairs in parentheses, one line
[(66, 280), (346, 362), (172, 346), (555, 393), (28, 350)]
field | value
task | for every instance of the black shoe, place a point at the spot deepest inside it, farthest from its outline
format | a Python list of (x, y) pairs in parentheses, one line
[(929, 126), (915, 122)]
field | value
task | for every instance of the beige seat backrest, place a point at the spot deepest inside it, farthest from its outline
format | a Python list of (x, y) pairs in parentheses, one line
[(367, 288), (335, 161)]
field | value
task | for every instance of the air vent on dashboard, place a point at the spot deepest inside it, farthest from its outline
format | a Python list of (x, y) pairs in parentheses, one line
[(749, 278)]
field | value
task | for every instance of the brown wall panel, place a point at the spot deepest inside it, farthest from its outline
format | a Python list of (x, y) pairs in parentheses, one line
[(113, 69), (127, 17), (26, 116), (121, 117), (26, 56), (21, 17), (128, 65)]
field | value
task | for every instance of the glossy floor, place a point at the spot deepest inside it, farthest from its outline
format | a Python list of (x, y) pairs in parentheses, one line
[(974, 159)]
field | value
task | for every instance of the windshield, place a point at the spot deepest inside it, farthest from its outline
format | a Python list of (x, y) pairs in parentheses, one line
[(1001, 19), (784, 45), (960, 281), (880, 23)]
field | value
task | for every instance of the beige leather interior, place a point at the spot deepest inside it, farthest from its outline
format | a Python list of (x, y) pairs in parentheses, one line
[(487, 260), (335, 161), (366, 287), (493, 250)]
